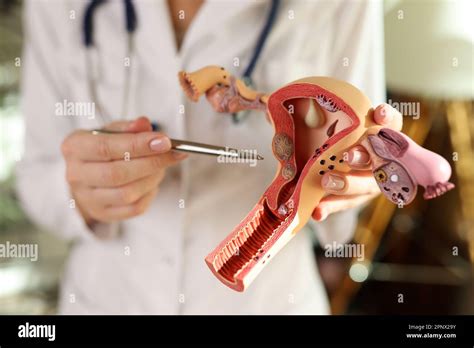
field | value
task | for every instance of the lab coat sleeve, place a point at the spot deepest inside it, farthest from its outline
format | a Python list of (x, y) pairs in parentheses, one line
[(359, 59), (41, 184)]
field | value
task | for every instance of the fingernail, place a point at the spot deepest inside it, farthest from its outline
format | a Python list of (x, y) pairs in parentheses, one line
[(179, 155), (385, 116), (333, 182), (162, 144), (358, 157)]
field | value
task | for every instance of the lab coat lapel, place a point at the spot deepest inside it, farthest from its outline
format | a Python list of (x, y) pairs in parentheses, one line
[(155, 43), (156, 51), (208, 23)]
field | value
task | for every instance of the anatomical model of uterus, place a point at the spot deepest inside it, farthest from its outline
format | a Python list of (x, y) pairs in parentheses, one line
[(316, 121)]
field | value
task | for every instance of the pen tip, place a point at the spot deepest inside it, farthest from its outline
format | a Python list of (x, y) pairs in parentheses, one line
[(259, 157)]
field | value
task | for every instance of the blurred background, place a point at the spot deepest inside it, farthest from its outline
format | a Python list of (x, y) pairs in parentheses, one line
[(424, 252)]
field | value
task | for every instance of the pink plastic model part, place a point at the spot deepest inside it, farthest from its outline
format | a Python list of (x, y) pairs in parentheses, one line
[(316, 121), (400, 164)]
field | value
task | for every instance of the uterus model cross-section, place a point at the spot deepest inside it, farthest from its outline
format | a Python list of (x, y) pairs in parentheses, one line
[(316, 121)]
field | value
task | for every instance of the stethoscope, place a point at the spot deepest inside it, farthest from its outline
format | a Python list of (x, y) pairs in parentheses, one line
[(131, 25)]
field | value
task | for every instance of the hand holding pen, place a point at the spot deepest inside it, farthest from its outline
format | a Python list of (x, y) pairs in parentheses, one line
[(107, 187)]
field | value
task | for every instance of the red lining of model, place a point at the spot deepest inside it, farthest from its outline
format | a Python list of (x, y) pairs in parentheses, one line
[(280, 115)]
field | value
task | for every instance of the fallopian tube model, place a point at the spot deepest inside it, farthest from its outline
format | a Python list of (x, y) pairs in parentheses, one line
[(316, 121)]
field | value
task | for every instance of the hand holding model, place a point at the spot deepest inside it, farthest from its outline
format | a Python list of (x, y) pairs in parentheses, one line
[(113, 177), (225, 93), (324, 129)]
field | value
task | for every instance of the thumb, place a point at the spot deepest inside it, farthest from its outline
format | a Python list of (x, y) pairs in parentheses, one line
[(141, 124)]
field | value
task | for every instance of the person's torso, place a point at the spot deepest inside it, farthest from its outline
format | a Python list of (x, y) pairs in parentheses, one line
[(157, 264)]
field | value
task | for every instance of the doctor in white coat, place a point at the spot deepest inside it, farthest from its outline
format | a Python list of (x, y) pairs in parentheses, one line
[(141, 228)]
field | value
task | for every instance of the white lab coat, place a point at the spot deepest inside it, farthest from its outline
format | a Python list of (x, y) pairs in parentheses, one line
[(155, 265)]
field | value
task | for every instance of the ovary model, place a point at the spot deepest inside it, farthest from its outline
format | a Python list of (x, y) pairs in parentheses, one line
[(316, 121)]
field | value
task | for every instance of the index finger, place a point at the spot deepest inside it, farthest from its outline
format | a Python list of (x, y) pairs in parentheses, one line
[(107, 147)]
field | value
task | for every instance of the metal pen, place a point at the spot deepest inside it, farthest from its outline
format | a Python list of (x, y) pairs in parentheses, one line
[(200, 148)]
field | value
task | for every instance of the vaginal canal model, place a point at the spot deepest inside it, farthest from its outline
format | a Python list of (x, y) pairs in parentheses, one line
[(316, 120)]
